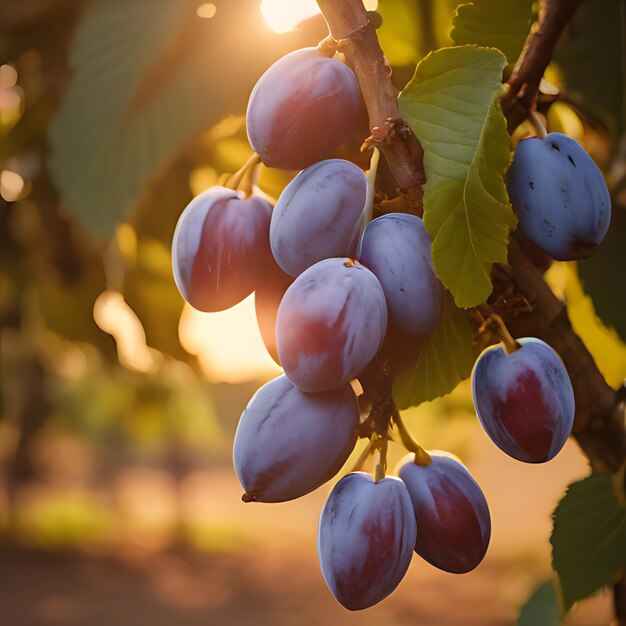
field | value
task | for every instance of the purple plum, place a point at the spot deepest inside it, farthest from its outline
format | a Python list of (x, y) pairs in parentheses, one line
[(366, 539), (330, 324), (301, 109), (524, 400), (560, 196), (453, 522), (221, 248), (289, 442), (397, 248), (317, 215)]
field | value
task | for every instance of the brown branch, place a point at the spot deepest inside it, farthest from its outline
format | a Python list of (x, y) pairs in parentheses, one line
[(599, 423), (349, 24), (598, 427), (521, 97)]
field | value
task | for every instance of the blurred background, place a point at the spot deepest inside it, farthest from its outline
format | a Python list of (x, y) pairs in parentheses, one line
[(118, 405)]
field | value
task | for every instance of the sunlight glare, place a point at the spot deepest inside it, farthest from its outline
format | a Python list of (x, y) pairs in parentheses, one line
[(283, 16), (228, 344)]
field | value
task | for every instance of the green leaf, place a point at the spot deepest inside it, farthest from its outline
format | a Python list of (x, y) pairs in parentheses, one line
[(446, 360), (146, 79), (494, 24), (542, 608), (104, 143), (452, 104), (588, 538)]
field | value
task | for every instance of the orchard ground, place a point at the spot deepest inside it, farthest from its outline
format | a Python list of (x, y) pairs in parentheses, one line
[(255, 564)]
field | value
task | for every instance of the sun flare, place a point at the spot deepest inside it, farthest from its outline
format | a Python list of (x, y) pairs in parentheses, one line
[(283, 16)]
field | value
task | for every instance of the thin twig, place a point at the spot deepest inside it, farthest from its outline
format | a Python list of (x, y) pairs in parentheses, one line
[(520, 98), (421, 456), (598, 425), (349, 24), (372, 444), (234, 181)]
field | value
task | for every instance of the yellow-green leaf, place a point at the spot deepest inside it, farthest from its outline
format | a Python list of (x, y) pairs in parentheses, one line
[(412, 28), (605, 345), (147, 78), (588, 538), (452, 104), (446, 360), (494, 24)]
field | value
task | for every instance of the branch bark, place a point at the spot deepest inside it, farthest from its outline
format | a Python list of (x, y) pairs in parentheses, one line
[(520, 99), (349, 24), (599, 424)]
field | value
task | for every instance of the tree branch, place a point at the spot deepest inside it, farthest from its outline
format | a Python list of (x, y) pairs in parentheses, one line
[(520, 98), (349, 24), (599, 423), (598, 426)]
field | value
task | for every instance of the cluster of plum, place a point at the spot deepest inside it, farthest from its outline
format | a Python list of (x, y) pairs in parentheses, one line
[(328, 288)]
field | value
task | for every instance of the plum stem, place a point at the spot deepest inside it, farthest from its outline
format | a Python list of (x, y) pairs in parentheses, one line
[(381, 466), (241, 180), (422, 457), (510, 344), (538, 125), (372, 444)]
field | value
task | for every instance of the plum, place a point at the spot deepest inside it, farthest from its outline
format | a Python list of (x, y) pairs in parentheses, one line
[(317, 215), (331, 322), (453, 521), (524, 400), (267, 296), (560, 196), (397, 248), (221, 248), (303, 107), (366, 539), (289, 442)]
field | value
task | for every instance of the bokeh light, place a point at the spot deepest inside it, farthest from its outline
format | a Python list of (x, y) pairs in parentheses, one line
[(11, 185), (8, 76), (11, 106), (114, 316), (206, 10)]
